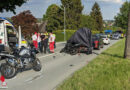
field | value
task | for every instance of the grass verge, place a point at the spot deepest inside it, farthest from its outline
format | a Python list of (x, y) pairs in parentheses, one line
[(109, 71)]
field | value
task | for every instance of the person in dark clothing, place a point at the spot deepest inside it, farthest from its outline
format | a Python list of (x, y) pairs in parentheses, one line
[(44, 43)]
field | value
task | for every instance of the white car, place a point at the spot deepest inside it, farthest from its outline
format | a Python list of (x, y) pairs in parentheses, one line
[(106, 40)]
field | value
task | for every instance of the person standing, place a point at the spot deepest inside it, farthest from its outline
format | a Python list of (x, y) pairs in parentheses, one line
[(47, 43), (34, 38), (55, 40), (39, 40), (51, 42), (42, 43)]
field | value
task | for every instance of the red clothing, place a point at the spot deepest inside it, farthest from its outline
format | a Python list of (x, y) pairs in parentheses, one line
[(2, 79), (35, 43), (51, 46)]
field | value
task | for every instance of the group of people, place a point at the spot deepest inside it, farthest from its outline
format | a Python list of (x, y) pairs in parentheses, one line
[(44, 40)]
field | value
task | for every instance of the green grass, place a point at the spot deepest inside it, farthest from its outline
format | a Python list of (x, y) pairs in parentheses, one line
[(109, 71)]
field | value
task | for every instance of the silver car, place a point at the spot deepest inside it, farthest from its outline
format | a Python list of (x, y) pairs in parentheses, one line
[(115, 36)]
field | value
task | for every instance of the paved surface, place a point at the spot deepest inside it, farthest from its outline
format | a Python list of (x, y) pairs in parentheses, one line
[(56, 68)]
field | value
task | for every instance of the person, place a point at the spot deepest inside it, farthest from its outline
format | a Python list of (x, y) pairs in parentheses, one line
[(47, 43), (39, 40), (46, 34), (34, 38), (51, 42), (55, 40), (42, 41)]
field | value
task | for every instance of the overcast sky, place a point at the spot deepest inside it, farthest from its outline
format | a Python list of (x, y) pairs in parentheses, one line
[(109, 8)]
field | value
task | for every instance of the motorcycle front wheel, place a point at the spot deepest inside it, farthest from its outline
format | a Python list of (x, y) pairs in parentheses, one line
[(7, 71), (37, 65)]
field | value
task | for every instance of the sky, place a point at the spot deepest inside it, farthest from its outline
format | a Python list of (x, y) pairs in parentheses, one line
[(109, 8)]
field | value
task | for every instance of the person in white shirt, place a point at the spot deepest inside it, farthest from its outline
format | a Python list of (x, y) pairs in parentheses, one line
[(51, 42), (39, 40), (34, 38)]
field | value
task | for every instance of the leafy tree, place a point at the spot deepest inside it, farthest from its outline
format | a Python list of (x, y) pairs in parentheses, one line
[(27, 22), (97, 16), (87, 21), (121, 20), (10, 5), (54, 17), (73, 9)]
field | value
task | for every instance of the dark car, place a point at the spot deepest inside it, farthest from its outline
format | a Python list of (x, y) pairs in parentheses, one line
[(97, 42)]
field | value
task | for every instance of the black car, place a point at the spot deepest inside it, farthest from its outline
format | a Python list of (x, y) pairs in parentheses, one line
[(97, 41)]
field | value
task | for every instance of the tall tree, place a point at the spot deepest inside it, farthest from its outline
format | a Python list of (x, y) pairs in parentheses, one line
[(127, 43), (87, 21), (27, 22), (73, 9), (10, 5), (97, 16), (54, 17), (121, 20)]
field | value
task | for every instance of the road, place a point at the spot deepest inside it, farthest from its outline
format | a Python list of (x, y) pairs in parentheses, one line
[(55, 68)]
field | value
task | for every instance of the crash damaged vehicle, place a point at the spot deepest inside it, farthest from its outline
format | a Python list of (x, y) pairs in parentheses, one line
[(80, 42)]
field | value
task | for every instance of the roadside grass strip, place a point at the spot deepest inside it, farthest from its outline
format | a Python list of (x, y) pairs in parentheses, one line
[(109, 71)]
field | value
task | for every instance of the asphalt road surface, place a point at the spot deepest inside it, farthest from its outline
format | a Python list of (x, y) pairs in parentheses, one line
[(55, 69)]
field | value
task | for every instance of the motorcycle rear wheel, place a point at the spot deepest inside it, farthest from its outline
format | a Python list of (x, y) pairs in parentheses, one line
[(7, 71)]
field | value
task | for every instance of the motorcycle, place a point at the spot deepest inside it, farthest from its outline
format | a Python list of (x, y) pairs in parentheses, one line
[(20, 60)]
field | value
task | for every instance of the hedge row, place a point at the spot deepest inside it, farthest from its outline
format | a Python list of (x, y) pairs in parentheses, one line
[(69, 33)]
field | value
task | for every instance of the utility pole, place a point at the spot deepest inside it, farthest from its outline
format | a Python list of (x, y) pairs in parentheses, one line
[(64, 25), (65, 20), (127, 42)]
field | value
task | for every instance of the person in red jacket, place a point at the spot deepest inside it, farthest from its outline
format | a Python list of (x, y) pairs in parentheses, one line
[(51, 42), (34, 38)]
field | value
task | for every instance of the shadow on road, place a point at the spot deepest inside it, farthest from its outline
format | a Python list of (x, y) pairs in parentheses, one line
[(113, 55)]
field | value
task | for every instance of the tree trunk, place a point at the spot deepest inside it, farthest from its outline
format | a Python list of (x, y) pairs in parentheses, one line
[(127, 42)]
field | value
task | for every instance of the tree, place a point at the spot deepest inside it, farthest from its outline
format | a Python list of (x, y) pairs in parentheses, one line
[(73, 9), (97, 16), (121, 20), (27, 22), (87, 21), (127, 43), (10, 5), (54, 17)]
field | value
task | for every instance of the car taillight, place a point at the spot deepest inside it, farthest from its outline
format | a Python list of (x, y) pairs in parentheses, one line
[(0, 41)]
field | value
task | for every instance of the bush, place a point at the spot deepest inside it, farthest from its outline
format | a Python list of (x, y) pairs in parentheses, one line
[(69, 33)]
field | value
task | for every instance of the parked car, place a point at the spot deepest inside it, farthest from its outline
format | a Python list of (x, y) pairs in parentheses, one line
[(97, 41), (115, 36), (106, 40)]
